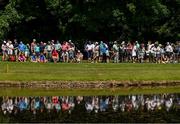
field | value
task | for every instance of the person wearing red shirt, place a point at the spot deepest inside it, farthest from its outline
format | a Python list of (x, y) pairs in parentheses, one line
[(55, 56)]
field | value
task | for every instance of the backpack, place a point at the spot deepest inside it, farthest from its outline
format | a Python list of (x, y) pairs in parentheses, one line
[(12, 58)]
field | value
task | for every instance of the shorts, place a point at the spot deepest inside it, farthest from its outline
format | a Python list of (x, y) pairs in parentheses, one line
[(158, 55), (65, 53), (168, 54), (37, 53), (4, 53), (107, 53), (26, 54), (16, 52), (96, 54)]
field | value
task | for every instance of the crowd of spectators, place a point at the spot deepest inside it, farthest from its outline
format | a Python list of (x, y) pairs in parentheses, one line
[(95, 52), (96, 104)]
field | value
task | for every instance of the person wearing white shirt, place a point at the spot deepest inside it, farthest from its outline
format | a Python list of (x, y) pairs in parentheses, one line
[(169, 51), (10, 48), (89, 49)]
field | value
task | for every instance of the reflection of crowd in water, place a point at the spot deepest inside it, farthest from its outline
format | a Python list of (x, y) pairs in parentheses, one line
[(34, 104), (13, 105)]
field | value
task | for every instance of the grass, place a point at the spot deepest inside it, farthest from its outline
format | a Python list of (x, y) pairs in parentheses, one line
[(88, 72), (85, 92)]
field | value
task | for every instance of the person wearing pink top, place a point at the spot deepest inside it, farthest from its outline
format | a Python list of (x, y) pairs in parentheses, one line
[(22, 57), (33, 44), (65, 49)]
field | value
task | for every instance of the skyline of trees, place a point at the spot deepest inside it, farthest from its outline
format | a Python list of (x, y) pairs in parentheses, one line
[(90, 19)]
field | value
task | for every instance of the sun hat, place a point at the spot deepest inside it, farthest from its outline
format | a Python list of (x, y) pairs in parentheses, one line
[(123, 42)]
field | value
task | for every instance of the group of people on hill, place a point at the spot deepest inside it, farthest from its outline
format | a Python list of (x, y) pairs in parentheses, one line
[(13, 105), (133, 52), (41, 52), (95, 52)]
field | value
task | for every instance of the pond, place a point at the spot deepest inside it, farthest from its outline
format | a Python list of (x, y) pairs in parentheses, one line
[(162, 107)]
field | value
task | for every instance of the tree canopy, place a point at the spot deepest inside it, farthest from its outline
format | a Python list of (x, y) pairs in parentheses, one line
[(90, 19)]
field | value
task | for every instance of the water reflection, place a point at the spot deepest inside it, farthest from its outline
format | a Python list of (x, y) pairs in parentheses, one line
[(89, 104)]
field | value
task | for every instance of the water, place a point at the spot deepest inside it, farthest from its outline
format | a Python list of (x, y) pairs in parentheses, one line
[(126, 108)]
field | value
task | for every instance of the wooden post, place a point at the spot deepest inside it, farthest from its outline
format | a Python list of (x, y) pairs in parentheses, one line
[(7, 68)]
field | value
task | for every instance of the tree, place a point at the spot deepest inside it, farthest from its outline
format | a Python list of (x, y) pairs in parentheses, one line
[(90, 19), (8, 17)]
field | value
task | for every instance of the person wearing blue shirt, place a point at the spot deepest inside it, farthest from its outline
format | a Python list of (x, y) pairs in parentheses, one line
[(22, 105), (42, 58), (21, 47), (37, 49), (33, 58), (103, 50)]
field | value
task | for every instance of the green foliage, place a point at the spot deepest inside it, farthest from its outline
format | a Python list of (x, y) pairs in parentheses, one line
[(91, 19), (131, 7), (8, 17), (61, 9), (118, 15)]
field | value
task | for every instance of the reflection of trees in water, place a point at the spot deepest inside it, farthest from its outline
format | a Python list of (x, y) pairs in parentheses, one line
[(132, 108)]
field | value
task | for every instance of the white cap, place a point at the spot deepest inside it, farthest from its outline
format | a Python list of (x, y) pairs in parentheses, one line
[(123, 42)]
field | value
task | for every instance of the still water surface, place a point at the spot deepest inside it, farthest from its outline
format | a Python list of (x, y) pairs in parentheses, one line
[(126, 108)]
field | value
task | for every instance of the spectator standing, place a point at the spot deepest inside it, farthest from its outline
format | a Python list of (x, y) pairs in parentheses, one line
[(122, 51), (89, 50), (102, 49), (65, 49), (27, 51), (21, 48), (41, 47), (96, 53), (33, 45), (169, 51), (129, 51), (116, 52), (134, 53), (16, 49), (71, 51), (141, 53), (48, 50), (37, 49), (57, 46), (4, 51), (10, 50), (177, 51)]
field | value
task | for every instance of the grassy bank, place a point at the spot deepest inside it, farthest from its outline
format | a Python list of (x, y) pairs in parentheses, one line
[(85, 92), (88, 72)]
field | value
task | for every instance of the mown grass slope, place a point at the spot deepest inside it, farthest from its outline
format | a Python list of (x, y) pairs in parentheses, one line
[(88, 72)]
